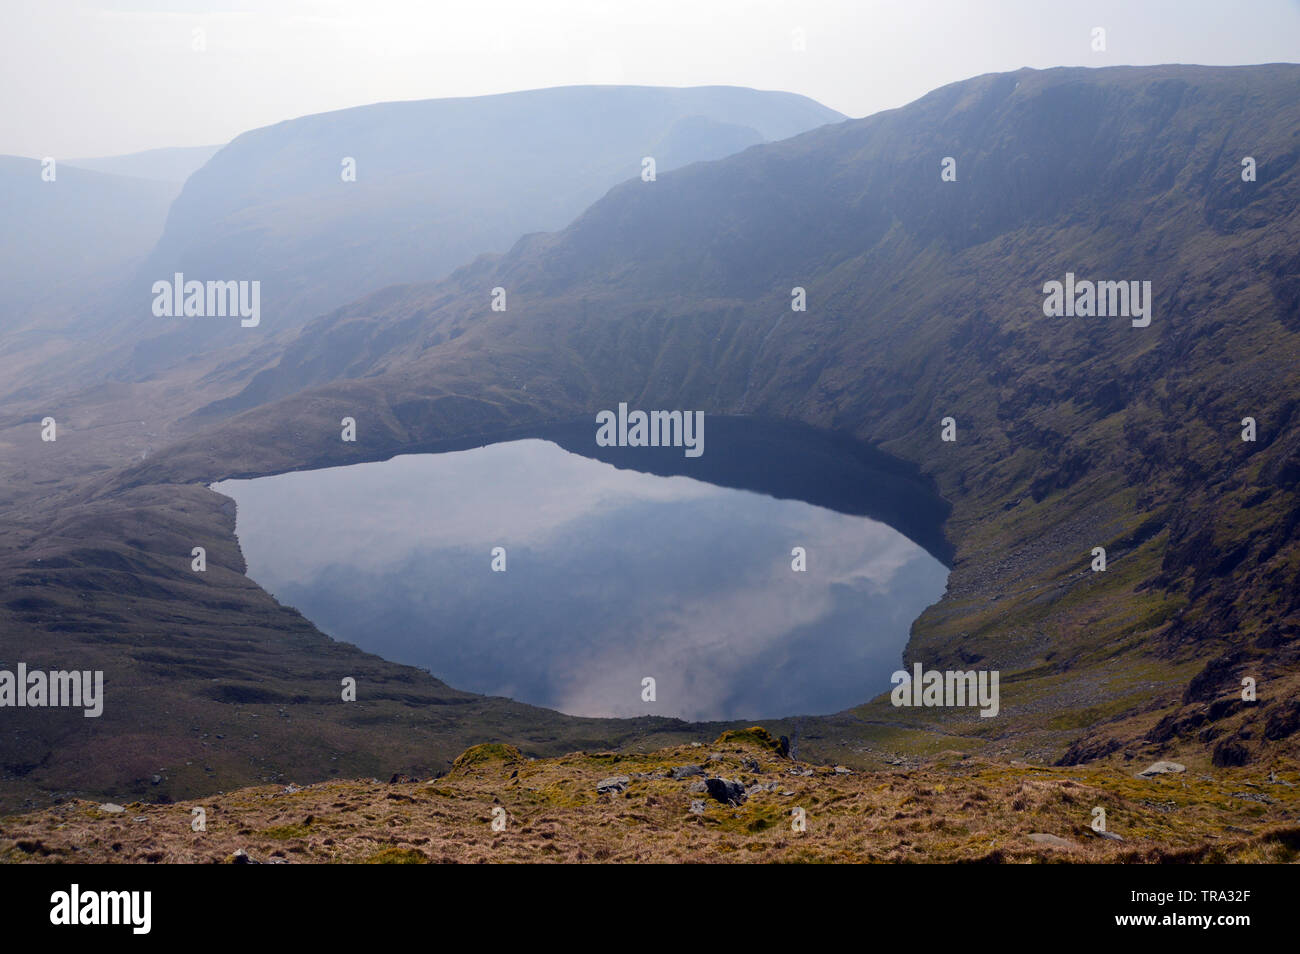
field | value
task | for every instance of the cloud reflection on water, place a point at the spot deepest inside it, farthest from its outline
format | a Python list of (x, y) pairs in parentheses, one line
[(613, 575)]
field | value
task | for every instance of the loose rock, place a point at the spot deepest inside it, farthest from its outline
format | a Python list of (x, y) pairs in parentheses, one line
[(1052, 841), (612, 785), (1253, 797), (1161, 768)]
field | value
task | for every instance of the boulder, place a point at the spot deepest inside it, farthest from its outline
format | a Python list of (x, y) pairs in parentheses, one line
[(725, 791), (1161, 768), (612, 785)]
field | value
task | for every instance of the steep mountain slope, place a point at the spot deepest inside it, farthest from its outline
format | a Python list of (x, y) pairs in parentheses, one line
[(926, 301), (438, 182)]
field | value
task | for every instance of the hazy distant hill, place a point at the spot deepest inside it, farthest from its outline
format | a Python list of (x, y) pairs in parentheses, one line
[(65, 240), (69, 243), (174, 164), (438, 182)]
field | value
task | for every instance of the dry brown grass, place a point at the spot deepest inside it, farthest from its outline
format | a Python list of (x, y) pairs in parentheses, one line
[(953, 809)]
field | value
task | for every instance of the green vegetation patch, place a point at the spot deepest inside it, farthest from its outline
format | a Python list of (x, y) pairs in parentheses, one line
[(486, 753)]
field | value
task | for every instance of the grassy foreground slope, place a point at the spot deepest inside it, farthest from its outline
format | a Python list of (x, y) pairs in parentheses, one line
[(659, 809)]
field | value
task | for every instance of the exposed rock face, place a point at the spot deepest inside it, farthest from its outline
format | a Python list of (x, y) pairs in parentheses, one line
[(1228, 753)]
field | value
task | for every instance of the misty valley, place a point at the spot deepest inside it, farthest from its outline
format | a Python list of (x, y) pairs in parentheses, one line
[(507, 570), (356, 505)]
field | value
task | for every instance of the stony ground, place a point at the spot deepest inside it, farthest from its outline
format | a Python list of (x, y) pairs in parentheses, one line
[(666, 806)]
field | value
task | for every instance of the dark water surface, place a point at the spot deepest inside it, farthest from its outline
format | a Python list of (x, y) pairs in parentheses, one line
[(612, 575)]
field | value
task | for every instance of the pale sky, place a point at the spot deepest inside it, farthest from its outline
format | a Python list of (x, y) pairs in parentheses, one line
[(81, 78)]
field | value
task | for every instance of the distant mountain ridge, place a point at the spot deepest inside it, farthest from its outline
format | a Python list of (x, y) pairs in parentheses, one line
[(438, 182)]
